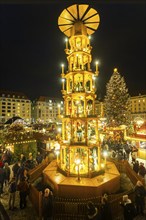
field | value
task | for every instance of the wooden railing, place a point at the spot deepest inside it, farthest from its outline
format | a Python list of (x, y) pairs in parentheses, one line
[(125, 167), (36, 199), (132, 175), (35, 196), (76, 208), (37, 171)]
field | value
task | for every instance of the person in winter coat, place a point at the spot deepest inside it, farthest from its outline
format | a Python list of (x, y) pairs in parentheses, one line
[(1, 163), (136, 166), (128, 208), (7, 173), (140, 194), (2, 178), (15, 168), (142, 170), (12, 193), (23, 188), (47, 205), (22, 159), (22, 172), (39, 158)]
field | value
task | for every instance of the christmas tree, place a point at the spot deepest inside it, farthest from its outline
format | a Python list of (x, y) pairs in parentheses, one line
[(117, 101)]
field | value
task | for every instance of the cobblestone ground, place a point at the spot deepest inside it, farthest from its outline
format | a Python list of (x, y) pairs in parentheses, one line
[(18, 214)]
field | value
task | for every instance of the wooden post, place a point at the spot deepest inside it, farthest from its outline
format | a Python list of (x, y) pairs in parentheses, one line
[(40, 206)]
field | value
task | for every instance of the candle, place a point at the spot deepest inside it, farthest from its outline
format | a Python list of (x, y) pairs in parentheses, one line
[(93, 86), (57, 152), (63, 83), (66, 40), (77, 60), (62, 68), (58, 109), (89, 39), (96, 66)]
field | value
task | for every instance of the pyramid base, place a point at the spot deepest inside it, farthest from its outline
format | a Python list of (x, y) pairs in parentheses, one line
[(78, 187)]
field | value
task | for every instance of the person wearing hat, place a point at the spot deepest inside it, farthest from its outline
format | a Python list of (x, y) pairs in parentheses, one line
[(47, 205), (128, 208)]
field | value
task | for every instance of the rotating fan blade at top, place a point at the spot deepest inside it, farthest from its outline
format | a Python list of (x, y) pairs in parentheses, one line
[(89, 17)]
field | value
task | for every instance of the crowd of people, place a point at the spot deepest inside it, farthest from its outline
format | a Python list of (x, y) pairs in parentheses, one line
[(14, 182), (123, 150), (139, 168), (19, 169), (16, 179), (102, 211), (131, 209), (15, 176)]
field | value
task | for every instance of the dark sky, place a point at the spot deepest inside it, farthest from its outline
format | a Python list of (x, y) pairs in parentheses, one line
[(32, 46)]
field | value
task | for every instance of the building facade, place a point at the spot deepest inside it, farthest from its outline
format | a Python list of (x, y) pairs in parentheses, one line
[(138, 107), (46, 109), (14, 104)]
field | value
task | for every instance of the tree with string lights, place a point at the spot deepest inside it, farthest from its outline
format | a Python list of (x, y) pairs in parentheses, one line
[(117, 101)]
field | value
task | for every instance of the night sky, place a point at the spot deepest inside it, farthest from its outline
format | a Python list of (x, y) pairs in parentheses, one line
[(32, 46)]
